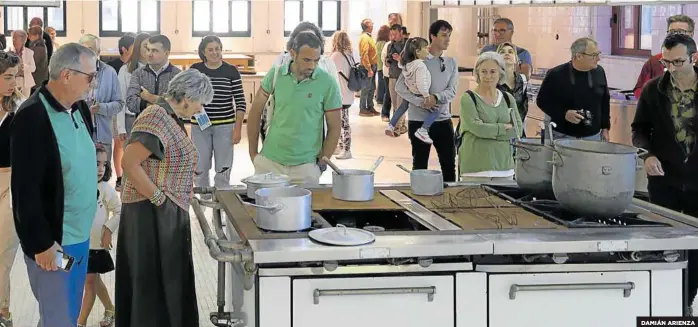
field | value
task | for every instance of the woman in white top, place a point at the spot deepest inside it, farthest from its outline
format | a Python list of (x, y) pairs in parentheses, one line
[(25, 79), (10, 99), (343, 58), (125, 118), (325, 62)]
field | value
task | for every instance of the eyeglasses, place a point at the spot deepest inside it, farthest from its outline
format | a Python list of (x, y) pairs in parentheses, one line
[(680, 31), (592, 55), (443, 65), (676, 63), (90, 76)]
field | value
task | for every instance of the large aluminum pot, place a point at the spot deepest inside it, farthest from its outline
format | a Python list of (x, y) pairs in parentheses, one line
[(534, 168), (353, 185), (425, 181), (267, 180), (594, 178), (284, 209)]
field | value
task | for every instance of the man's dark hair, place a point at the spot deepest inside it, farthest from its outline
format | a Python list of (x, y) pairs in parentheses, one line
[(396, 27), (126, 41), (510, 24), (304, 27), (404, 30), (308, 39), (673, 40), (438, 26), (166, 44)]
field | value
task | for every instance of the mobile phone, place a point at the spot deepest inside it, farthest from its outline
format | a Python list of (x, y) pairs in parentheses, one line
[(64, 261)]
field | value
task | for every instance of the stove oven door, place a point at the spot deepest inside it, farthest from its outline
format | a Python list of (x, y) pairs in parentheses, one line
[(569, 299), (413, 301)]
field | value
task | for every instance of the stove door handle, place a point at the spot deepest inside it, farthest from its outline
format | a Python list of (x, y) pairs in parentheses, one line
[(626, 287), (429, 291)]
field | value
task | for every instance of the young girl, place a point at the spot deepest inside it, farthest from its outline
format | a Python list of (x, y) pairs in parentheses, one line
[(418, 81), (100, 261)]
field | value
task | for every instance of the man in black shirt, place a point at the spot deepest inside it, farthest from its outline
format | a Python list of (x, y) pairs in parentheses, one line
[(125, 51), (575, 95)]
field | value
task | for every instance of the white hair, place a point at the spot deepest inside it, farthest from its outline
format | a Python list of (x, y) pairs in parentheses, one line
[(491, 56), (580, 45), (69, 56), (20, 33), (91, 37), (191, 85)]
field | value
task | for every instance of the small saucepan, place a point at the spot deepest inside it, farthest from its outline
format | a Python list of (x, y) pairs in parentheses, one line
[(425, 181), (353, 184)]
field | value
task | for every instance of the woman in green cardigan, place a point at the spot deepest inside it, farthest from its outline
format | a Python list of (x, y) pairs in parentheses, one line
[(487, 128)]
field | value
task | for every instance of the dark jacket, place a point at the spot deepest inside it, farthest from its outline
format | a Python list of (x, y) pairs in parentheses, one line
[(653, 130), (565, 88), (40, 60), (37, 176), (49, 46), (394, 48)]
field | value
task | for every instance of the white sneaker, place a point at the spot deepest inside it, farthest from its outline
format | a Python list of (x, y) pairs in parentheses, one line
[(390, 131), (423, 135), (344, 155)]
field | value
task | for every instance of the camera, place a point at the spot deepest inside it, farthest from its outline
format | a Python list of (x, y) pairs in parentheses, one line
[(587, 117)]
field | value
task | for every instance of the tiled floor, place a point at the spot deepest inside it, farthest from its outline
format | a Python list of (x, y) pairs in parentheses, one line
[(369, 143)]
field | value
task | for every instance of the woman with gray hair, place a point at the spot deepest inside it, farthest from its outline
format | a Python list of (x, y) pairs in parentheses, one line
[(154, 269), (489, 120)]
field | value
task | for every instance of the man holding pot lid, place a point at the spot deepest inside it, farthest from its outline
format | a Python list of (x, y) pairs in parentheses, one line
[(575, 95), (665, 126), (303, 97)]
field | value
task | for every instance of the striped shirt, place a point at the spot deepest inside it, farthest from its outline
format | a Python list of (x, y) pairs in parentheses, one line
[(228, 95)]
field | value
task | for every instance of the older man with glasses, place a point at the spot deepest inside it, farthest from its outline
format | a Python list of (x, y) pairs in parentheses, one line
[(680, 24), (54, 184), (105, 96), (575, 95)]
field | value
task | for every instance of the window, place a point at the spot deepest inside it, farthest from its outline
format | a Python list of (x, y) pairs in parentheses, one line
[(326, 14), (221, 17), (19, 17), (117, 17), (632, 31)]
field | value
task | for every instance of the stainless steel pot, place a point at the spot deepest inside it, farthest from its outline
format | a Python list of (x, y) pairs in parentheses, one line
[(534, 168), (594, 178), (353, 185), (267, 180), (284, 209), (425, 181)]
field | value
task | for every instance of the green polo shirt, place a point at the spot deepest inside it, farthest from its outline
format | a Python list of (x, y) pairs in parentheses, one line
[(296, 132), (79, 164)]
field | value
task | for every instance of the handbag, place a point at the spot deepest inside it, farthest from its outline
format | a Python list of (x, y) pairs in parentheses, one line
[(358, 75)]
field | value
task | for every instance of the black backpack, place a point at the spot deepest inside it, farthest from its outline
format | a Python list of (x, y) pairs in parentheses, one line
[(459, 135), (358, 75)]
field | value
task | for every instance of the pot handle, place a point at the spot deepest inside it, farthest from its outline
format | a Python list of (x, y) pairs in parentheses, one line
[(272, 207), (550, 131), (557, 159), (404, 168), (640, 153)]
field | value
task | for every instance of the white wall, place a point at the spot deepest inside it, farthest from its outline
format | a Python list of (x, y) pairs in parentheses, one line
[(267, 15)]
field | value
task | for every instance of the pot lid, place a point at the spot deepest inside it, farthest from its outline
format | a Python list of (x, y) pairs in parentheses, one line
[(342, 235), (268, 178)]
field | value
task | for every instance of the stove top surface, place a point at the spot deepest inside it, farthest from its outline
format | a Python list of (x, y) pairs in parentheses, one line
[(551, 209)]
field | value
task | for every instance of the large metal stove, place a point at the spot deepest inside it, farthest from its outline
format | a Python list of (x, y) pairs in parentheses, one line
[(477, 255)]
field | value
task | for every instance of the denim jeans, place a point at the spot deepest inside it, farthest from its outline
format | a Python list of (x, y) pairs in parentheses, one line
[(381, 87), (367, 93), (215, 142)]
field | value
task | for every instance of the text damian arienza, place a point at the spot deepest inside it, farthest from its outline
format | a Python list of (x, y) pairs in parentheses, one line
[(668, 323)]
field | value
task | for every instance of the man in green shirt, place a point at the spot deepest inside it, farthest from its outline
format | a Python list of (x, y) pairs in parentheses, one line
[(303, 98)]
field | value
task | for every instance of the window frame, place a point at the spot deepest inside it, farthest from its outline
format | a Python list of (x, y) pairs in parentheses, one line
[(616, 22), (119, 32), (25, 9), (319, 21), (230, 32)]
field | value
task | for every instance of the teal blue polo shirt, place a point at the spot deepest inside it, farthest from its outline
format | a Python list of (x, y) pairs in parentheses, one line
[(296, 132), (79, 164)]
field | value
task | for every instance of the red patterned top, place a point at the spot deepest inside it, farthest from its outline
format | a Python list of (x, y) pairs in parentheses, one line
[(171, 167)]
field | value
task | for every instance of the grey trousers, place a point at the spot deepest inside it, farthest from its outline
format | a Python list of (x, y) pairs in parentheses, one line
[(215, 142)]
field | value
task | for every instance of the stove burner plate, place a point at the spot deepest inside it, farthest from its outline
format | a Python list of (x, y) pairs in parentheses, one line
[(552, 210)]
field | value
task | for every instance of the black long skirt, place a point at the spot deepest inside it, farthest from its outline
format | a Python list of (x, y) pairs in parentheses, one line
[(154, 268)]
